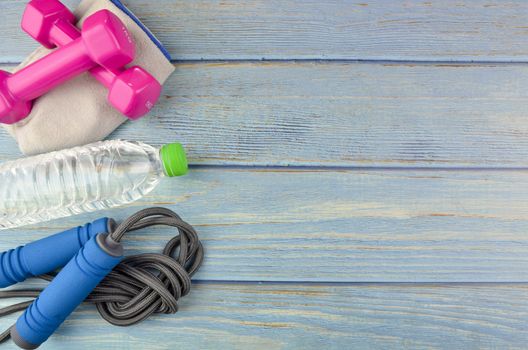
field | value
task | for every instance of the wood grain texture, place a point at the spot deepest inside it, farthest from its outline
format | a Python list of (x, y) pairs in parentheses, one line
[(238, 316), (340, 114), (451, 30), (332, 225), (335, 226)]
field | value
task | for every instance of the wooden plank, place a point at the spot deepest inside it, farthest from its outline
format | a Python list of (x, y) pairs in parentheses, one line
[(333, 226), (310, 29), (340, 114), (235, 316)]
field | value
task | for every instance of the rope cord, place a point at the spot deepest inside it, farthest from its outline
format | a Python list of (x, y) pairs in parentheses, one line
[(143, 284)]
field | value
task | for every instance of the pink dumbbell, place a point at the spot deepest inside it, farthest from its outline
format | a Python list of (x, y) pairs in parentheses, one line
[(132, 91), (104, 41)]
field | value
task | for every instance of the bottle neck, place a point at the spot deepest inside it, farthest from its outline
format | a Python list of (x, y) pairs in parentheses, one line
[(159, 164), (156, 164)]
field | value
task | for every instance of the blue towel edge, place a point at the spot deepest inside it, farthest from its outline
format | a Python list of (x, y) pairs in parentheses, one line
[(155, 40)]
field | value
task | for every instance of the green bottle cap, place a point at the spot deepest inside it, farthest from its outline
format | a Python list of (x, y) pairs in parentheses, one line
[(174, 159)]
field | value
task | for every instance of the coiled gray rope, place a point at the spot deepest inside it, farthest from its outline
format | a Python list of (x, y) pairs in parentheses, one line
[(142, 284)]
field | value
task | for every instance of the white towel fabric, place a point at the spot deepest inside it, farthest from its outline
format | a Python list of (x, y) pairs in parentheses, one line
[(77, 112)]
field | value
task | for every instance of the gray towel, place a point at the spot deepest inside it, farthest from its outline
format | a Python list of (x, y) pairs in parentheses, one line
[(77, 112)]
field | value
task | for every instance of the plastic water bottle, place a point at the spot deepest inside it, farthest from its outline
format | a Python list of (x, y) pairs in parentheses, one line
[(98, 176)]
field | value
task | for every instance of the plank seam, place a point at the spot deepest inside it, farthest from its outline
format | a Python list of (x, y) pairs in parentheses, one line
[(311, 168), (354, 60), (361, 284), (338, 61)]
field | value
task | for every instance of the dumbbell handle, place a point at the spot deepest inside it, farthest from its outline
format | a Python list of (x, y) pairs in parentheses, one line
[(50, 71), (66, 291), (47, 254), (64, 32)]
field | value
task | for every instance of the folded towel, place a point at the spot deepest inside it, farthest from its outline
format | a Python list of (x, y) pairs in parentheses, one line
[(77, 112)]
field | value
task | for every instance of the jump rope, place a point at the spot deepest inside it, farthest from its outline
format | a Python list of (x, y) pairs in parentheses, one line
[(139, 286)]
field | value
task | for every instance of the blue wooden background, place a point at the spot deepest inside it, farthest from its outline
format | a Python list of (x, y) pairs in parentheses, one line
[(359, 174)]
